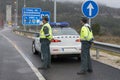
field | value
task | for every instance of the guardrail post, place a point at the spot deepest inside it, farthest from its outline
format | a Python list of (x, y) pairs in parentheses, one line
[(97, 53)]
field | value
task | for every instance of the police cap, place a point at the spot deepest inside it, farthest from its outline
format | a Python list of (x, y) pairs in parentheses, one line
[(45, 18), (84, 19)]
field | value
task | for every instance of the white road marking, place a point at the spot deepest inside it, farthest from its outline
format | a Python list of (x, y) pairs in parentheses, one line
[(38, 74)]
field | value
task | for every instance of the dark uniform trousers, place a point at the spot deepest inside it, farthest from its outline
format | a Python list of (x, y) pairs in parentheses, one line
[(85, 56), (45, 51)]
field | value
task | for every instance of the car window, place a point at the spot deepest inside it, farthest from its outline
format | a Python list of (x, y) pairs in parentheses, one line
[(64, 31)]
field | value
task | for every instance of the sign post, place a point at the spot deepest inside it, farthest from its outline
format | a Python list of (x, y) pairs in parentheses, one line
[(90, 9)]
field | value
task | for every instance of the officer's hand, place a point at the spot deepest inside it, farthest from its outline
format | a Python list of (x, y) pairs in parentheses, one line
[(52, 40)]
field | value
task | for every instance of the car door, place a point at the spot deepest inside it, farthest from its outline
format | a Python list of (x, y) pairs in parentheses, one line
[(37, 42)]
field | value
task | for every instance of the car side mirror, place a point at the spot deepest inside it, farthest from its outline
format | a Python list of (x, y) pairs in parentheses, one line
[(36, 35)]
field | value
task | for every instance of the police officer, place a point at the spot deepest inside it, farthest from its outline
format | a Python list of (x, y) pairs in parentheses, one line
[(45, 38), (86, 36)]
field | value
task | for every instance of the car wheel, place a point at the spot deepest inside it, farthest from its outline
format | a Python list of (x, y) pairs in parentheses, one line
[(34, 49), (78, 58)]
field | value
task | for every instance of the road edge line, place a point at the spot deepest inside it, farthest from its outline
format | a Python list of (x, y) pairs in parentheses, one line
[(35, 70)]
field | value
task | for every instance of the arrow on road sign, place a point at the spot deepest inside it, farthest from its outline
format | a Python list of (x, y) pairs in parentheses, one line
[(90, 7)]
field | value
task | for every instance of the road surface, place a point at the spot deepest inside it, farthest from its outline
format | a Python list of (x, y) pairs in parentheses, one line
[(14, 67)]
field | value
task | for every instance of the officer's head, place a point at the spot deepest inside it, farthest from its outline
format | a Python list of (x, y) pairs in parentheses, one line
[(84, 20), (45, 19)]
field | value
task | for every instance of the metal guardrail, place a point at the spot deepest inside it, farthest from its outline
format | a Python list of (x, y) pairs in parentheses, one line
[(31, 32), (106, 46), (97, 45)]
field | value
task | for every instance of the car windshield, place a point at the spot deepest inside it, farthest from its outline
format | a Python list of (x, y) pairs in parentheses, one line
[(64, 31)]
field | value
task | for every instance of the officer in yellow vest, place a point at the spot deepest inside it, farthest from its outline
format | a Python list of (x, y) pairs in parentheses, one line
[(86, 36), (45, 38)]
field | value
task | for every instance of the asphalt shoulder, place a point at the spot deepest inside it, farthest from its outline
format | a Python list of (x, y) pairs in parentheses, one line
[(12, 64)]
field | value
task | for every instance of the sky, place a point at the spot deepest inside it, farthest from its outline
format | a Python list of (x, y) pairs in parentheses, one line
[(110, 3)]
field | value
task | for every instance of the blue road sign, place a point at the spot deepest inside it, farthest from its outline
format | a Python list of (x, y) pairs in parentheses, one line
[(45, 13), (31, 20), (90, 9), (31, 16)]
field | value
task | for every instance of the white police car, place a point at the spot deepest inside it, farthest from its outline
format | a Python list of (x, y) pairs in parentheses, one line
[(66, 41)]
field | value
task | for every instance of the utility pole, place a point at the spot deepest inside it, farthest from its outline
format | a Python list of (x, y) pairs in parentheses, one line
[(24, 3), (16, 20), (24, 7), (55, 11)]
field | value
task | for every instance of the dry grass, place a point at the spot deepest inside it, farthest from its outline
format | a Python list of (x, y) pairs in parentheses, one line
[(108, 39), (111, 53)]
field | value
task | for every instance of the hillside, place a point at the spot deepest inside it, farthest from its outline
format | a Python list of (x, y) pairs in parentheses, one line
[(108, 18)]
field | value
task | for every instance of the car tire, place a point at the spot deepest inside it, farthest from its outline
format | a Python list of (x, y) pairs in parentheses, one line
[(78, 58), (35, 52)]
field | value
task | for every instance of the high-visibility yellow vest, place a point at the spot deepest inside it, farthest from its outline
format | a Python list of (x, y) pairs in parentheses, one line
[(86, 34), (42, 34)]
